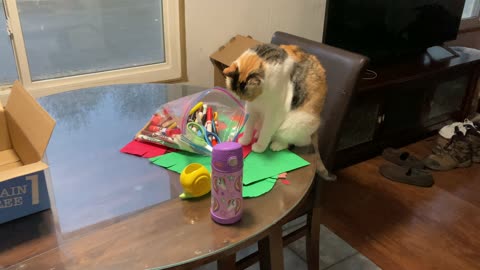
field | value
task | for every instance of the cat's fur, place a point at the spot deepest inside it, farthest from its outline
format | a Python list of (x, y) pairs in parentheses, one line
[(284, 89)]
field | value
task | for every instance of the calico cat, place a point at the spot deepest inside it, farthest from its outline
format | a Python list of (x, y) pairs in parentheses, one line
[(284, 89)]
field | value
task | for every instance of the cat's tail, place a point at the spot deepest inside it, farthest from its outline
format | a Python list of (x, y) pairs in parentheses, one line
[(298, 128)]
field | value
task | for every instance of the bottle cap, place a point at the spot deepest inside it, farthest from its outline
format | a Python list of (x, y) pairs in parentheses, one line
[(227, 157)]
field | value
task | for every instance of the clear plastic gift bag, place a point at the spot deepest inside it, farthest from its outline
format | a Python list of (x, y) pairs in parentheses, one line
[(197, 122)]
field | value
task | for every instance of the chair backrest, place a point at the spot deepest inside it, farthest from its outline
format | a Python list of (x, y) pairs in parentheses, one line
[(343, 70)]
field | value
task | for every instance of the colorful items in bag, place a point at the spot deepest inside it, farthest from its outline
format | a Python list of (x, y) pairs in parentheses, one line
[(196, 123), (160, 130)]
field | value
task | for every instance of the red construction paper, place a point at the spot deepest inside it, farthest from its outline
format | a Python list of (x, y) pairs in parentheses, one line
[(247, 149), (146, 150), (285, 181)]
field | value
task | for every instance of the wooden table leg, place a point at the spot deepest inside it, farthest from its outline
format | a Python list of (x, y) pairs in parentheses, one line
[(313, 226), (271, 250), (227, 262), (313, 239)]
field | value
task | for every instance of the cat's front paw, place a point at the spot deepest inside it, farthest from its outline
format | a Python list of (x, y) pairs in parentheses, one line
[(278, 146), (258, 148), (245, 140)]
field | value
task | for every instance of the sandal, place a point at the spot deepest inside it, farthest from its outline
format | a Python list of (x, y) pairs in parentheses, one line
[(402, 158), (410, 176)]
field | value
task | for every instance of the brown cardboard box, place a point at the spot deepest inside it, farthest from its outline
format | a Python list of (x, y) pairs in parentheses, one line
[(226, 54), (25, 130)]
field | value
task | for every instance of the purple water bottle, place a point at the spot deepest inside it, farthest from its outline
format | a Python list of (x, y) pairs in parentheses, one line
[(227, 183)]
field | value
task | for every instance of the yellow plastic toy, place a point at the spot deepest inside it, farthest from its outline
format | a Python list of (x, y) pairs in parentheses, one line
[(195, 180)]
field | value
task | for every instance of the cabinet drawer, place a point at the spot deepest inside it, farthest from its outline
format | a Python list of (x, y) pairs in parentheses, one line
[(360, 122), (447, 97)]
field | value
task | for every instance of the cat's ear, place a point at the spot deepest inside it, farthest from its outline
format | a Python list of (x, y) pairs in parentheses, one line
[(231, 70)]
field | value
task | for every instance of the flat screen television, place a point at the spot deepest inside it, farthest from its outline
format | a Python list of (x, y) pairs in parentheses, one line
[(387, 30)]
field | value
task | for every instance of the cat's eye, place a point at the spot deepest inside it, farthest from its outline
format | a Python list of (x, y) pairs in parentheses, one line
[(256, 74), (251, 76)]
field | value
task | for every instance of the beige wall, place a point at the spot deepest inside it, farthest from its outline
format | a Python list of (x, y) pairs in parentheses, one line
[(211, 23)]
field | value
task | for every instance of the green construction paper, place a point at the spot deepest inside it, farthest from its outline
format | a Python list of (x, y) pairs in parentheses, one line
[(177, 161), (162, 161), (256, 167), (258, 188), (259, 166)]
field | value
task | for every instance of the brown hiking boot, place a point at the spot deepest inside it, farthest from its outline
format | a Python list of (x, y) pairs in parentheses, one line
[(473, 137), (456, 153), (447, 132), (440, 143)]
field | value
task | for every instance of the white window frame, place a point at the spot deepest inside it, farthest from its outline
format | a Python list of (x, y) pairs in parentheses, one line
[(476, 10), (169, 70), (472, 23)]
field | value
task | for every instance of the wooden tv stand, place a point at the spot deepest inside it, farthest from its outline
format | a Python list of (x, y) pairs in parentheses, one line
[(408, 101)]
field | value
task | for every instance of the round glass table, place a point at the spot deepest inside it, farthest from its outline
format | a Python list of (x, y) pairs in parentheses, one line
[(111, 210)]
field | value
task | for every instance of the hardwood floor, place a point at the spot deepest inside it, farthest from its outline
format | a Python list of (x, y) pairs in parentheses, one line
[(399, 226)]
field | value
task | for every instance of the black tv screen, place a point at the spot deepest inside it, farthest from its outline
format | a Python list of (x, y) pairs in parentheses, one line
[(386, 30)]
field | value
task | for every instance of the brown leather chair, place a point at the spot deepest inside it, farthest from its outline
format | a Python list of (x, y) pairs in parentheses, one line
[(343, 72)]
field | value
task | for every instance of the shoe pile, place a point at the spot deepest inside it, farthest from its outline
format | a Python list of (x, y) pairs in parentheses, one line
[(457, 146)]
